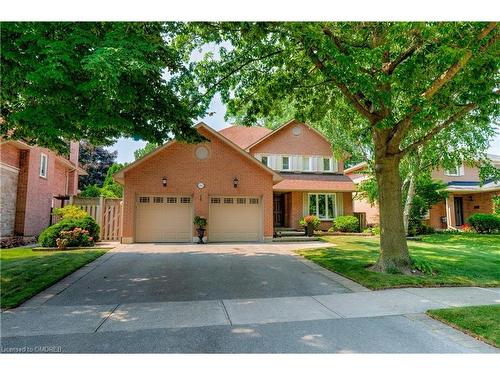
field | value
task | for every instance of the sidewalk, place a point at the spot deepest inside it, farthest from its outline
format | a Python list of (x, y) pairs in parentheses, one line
[(50, 320)]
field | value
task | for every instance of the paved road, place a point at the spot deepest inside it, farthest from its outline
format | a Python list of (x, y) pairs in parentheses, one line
[(231, 298)]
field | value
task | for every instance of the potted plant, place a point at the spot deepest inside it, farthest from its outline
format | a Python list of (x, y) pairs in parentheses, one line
[(310, 224), (201, 223)]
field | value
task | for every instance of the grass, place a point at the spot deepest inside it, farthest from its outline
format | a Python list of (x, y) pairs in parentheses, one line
[(24, 272), (482, 322), (456, 260)]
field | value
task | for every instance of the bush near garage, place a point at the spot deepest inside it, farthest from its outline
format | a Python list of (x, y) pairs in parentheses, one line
[(48, 238), (71, 212), (485, 223)]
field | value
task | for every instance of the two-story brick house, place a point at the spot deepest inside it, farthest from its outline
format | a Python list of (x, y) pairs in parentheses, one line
[(247, 181), (466, 195), (32, 181)]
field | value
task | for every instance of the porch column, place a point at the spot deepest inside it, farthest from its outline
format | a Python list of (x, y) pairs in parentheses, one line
[(450, 212)]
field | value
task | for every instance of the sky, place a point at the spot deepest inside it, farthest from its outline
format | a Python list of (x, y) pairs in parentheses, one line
[(127, 146)]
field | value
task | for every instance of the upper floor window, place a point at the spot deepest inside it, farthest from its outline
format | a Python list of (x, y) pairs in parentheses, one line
[(326, 164), (43, 165), (285, 163), (455, 172), (306, 163), (264, 160)]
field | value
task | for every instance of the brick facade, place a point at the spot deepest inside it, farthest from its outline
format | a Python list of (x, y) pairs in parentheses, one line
[(184, 171), (30, 206)]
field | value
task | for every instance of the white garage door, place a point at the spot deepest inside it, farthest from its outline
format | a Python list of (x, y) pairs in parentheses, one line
[(163, 219), (235, 219)]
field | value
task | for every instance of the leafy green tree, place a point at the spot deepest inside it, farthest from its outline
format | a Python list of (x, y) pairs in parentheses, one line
[(140, 152), (109, 188), (386, 88), (95, 81), (95, 160)]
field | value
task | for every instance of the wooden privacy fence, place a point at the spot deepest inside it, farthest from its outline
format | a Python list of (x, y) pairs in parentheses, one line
[(106, 211)]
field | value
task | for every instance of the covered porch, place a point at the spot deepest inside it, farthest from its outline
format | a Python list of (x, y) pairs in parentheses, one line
[(324, 195), (455, 210)]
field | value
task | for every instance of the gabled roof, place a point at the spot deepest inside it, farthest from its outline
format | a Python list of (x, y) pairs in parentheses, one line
[(119, 176), (244, 136), (356, 168), (24, 146), (285, 125)]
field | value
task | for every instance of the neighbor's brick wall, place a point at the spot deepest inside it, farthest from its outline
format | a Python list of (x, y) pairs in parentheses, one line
[(285, 142), (40, 191), (480, 203), (9, 155), (435, 213), (183, 171), (372, 212)]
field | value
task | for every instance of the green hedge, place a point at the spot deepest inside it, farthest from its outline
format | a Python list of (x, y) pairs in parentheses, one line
[(485, 223), (346, 224), (49, 236)]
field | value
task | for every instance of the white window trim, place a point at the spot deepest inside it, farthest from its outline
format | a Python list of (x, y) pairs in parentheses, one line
[(330, 164), (289, 162), (327, 218), (42, 158)]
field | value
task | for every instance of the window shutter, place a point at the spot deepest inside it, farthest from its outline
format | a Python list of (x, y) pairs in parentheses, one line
[(339, 209)]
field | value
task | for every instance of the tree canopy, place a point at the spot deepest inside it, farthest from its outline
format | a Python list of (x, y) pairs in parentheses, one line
[(381, 88), (93, 80)]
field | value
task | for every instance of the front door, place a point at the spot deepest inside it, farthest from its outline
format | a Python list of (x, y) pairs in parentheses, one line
[(459, 211), (278, 210)]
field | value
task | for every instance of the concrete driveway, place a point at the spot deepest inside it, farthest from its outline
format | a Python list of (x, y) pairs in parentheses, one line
[(161, 272), (231, 298)]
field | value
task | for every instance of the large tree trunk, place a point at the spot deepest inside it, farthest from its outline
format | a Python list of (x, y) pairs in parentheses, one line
[(409, 201), (394, 255)]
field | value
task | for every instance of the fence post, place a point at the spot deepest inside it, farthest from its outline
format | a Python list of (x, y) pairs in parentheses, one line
[(100, 215)]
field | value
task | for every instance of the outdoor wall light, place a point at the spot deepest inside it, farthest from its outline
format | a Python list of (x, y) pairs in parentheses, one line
[(164, 181), (236, 182)]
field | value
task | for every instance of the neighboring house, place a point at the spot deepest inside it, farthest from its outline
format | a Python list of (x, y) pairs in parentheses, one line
[(466, 195), (32, 180), (247, 181)]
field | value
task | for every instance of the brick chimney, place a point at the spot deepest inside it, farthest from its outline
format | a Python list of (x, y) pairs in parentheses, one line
[(74, 152)]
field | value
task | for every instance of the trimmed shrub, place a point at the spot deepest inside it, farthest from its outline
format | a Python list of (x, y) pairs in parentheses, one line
[(346, 224), (50, 235), (310, 219), (420, 228), (71, 212), (485, 223), (74, 238), (376, 230)]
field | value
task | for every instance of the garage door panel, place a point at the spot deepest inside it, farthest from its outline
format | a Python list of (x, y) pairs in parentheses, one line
[(163, 219), (235, 219)]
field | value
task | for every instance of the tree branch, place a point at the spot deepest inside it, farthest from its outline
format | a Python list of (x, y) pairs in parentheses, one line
[(466, 109), (238, 68), (391, 66), (457, 66), (341, 86)]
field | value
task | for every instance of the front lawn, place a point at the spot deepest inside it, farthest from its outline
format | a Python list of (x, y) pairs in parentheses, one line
[(482, 322), (456, 260), (24, 272)]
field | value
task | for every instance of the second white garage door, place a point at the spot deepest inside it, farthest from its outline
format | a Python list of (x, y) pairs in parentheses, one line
[(163, 219), (235, 219)]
